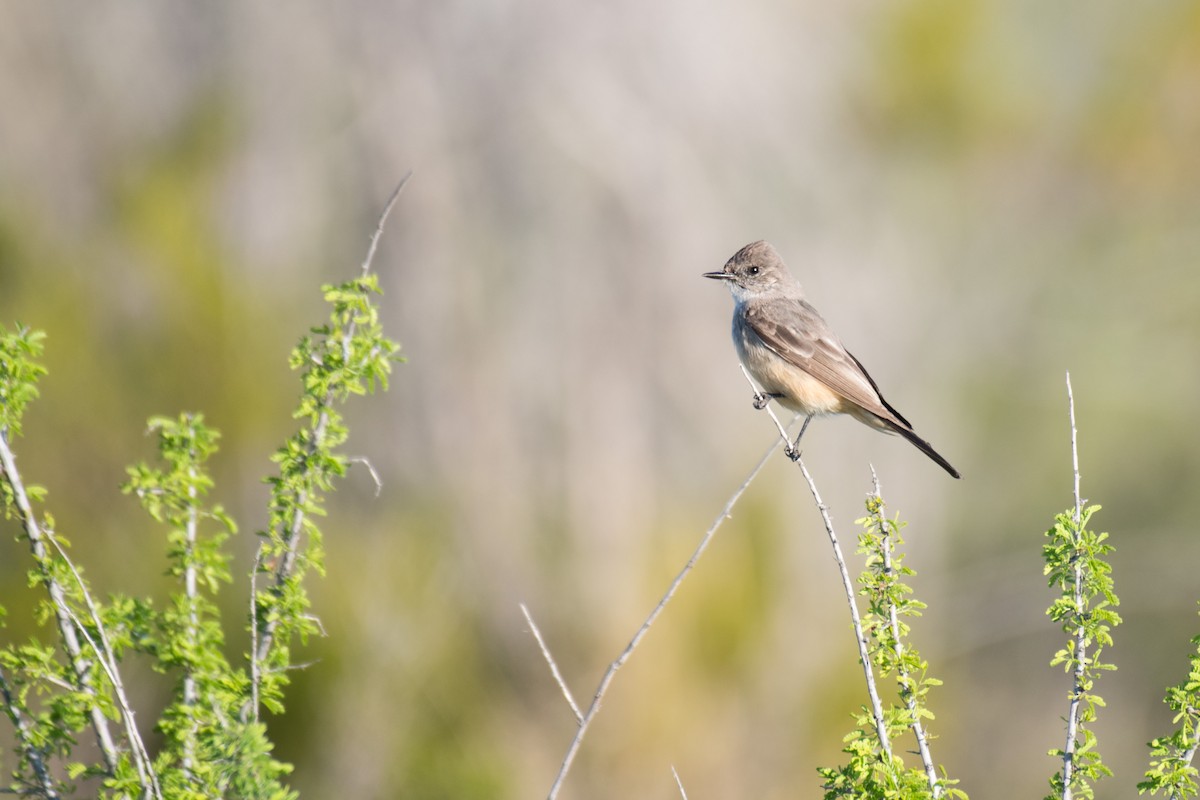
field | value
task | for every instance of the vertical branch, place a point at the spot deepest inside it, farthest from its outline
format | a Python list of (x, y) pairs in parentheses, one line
[(193, 624), (1074, 448), (1081, 640), (298, 499), (905, 680), (255, 674)]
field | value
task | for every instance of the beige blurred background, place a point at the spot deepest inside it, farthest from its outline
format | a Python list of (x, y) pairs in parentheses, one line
[(978, 195)]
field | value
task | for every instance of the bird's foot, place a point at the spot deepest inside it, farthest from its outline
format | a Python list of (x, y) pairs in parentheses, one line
[(761, 399)]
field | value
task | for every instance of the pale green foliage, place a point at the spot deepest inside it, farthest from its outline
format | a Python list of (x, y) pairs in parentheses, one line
[(213, 744), (1075, 565), (347, 356), (870, 771), (1171, 769)]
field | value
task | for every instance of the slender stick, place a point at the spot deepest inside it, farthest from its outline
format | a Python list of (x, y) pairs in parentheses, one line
[(611, 672), (1074, 448), (847, 583), (679, 783), (108, 662), (558, 678), (387, 210), (190, 692), (851, 598)]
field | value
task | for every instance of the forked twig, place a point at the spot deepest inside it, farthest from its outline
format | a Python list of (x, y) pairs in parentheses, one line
[(607, 678)]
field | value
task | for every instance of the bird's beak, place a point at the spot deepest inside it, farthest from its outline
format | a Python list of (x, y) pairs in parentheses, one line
[(720, 276)]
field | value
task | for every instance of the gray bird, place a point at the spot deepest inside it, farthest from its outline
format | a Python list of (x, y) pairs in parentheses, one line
[(788, 348)]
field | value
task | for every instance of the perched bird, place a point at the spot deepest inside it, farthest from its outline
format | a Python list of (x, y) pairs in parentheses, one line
[(788, 348)]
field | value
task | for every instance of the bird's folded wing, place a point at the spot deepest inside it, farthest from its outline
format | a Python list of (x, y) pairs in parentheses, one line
[(796, 333)]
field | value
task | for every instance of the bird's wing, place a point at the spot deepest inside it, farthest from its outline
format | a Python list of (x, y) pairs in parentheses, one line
[(796, 333)]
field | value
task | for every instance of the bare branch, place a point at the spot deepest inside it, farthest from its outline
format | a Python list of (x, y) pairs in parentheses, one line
[(847, 583), (611, 672), (1074, 448), (851, 598), (387, 210), (558, 678), (679, 783), (371, 469)]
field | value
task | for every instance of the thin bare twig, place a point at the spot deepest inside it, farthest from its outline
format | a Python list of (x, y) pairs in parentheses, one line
[(679, 783), (611, 672), (847, 583), (1074, 448), (108, 662), (371, 469), (558, 678), (851, 598), (387, 210)]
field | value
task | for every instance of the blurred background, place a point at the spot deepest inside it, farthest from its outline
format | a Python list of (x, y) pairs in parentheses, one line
[(978, 195)]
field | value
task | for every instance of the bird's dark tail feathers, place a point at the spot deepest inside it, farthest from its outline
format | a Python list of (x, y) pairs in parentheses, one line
[(925, 447)]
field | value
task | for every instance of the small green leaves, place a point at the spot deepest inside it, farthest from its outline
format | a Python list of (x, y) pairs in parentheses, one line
[(1075, 565), (20, 371), (870, 772), (1171, 769), (349, 355), (211, 742)]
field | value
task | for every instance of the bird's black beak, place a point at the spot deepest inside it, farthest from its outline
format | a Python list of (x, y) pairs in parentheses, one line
[(721, 276)]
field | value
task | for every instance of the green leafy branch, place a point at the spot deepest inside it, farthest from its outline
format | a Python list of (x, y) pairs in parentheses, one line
[(1171, 769), (87, 698), (874, 770), (1075, 564), (213, 744)]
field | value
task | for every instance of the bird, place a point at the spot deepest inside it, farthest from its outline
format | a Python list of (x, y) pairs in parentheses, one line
[(789, 349)]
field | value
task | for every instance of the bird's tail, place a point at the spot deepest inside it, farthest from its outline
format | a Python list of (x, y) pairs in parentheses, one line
[(924, 446)]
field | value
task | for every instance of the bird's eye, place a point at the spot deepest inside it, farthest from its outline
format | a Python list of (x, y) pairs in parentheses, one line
[(753, 270)]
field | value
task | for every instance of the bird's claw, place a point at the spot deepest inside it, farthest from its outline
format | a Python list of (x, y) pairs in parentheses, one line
[(792, 452), (761, 399)]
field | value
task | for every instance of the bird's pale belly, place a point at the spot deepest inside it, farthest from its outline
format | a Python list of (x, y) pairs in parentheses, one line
[(795, 388)]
